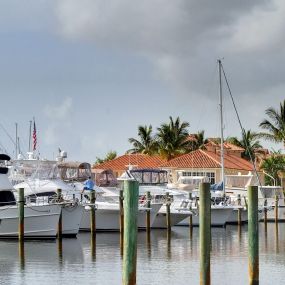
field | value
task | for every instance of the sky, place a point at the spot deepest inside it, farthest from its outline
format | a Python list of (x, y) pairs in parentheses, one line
[(91, 71)]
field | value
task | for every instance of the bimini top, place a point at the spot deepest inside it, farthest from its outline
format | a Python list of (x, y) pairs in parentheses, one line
[(74, 171), (149, 176), (105, 178)]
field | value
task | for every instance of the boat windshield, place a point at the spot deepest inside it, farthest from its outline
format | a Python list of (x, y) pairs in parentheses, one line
[(271, 191), (150, 176)]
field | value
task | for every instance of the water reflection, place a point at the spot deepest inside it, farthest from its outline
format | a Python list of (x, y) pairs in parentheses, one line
[(21, 249), (163, 257)]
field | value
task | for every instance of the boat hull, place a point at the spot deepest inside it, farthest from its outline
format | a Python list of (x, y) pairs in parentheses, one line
[(108, 217), (39, 221), (71, 219)]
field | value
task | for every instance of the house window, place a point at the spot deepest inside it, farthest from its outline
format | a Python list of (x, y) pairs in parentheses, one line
[(210, 175)]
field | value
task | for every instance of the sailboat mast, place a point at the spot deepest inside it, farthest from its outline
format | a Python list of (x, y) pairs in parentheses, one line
[(222, 125), (16, 145)]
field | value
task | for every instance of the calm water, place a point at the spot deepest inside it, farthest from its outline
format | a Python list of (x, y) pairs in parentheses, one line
[(166, 261)]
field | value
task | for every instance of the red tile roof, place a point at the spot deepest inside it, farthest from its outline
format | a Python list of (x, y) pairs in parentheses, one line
[(121, 163), (207, 159)]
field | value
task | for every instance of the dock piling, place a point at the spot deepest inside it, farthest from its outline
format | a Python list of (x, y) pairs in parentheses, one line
[(59, 225), (190, 208), (276, 208), (148, 199), (92, 213), (121, 203), (253, 249), (265, 215), (239, 209), (21, 204), (131, 196), (205, 232), (168, 219)]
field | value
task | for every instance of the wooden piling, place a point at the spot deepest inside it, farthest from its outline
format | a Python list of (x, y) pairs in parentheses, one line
[(168, 218), (205, 232), (239, 209), (265, 215), (92, 213), (131, 196), (59, 225), (148, 199), (21, 250), (276, 208), (190, 208), (121, 203), (253, 249), (21, 206)]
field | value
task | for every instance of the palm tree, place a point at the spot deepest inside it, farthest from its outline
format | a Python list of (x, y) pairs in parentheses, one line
[(172, 138), (146, 144), (249, 142), (109, 156), (272, 165), (275, 125), (198, 140)]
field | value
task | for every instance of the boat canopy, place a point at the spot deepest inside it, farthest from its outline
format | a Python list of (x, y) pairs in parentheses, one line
[(74, 171), (105, 178), (240, 181), (148, 176)]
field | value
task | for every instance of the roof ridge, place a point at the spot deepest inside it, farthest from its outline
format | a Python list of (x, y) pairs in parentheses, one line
[(205, 152)]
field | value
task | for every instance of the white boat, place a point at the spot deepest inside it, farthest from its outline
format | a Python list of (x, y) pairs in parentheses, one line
[(108, 216), (154, 181), (107, 199), (44, 191), (40, 221), (41, 183)]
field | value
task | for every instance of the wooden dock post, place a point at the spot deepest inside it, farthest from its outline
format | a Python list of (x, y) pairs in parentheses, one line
[(92, 213), (21, 205), (253, 248), (168, 218), (121, 221), (59, 226), (148, 199), (239, 209), (131, 196), (190, 208), (265, 215), (205, 233), (21, 250), (276, 208)]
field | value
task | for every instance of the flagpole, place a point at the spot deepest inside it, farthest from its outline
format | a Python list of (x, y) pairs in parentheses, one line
[(30, 134), (16, 150)]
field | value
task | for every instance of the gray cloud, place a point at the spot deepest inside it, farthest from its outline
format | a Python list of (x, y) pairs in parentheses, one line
[(183, 39)]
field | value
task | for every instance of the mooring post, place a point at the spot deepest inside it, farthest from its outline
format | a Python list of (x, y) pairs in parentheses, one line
[(239, 209), (253, 250), (148, 199), (59, 226), (205, 232), (92, 213), (131, 196), (21, 204), (276, 208), (168, 219), (121, 202), (265, 214), (190, 208), (245, 202)]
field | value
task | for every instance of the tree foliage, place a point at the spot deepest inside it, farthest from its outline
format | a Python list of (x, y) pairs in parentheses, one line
[(275, 124), (109, 156), (271, 165)]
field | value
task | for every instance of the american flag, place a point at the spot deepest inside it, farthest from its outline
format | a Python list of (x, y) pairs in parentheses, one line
[(34, 137)]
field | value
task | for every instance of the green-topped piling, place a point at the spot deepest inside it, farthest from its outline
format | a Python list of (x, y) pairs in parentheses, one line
[(148, 199), (92, 213), (276, 208), (21, 206), (131, 196), (205, 232), (168, 218), (59, 225), (121, 221), (253, 249)]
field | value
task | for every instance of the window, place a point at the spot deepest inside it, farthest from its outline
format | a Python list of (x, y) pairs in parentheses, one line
[(210, 175)]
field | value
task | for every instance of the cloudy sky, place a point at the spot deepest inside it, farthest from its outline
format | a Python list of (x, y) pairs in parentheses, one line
[(91, 71)]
